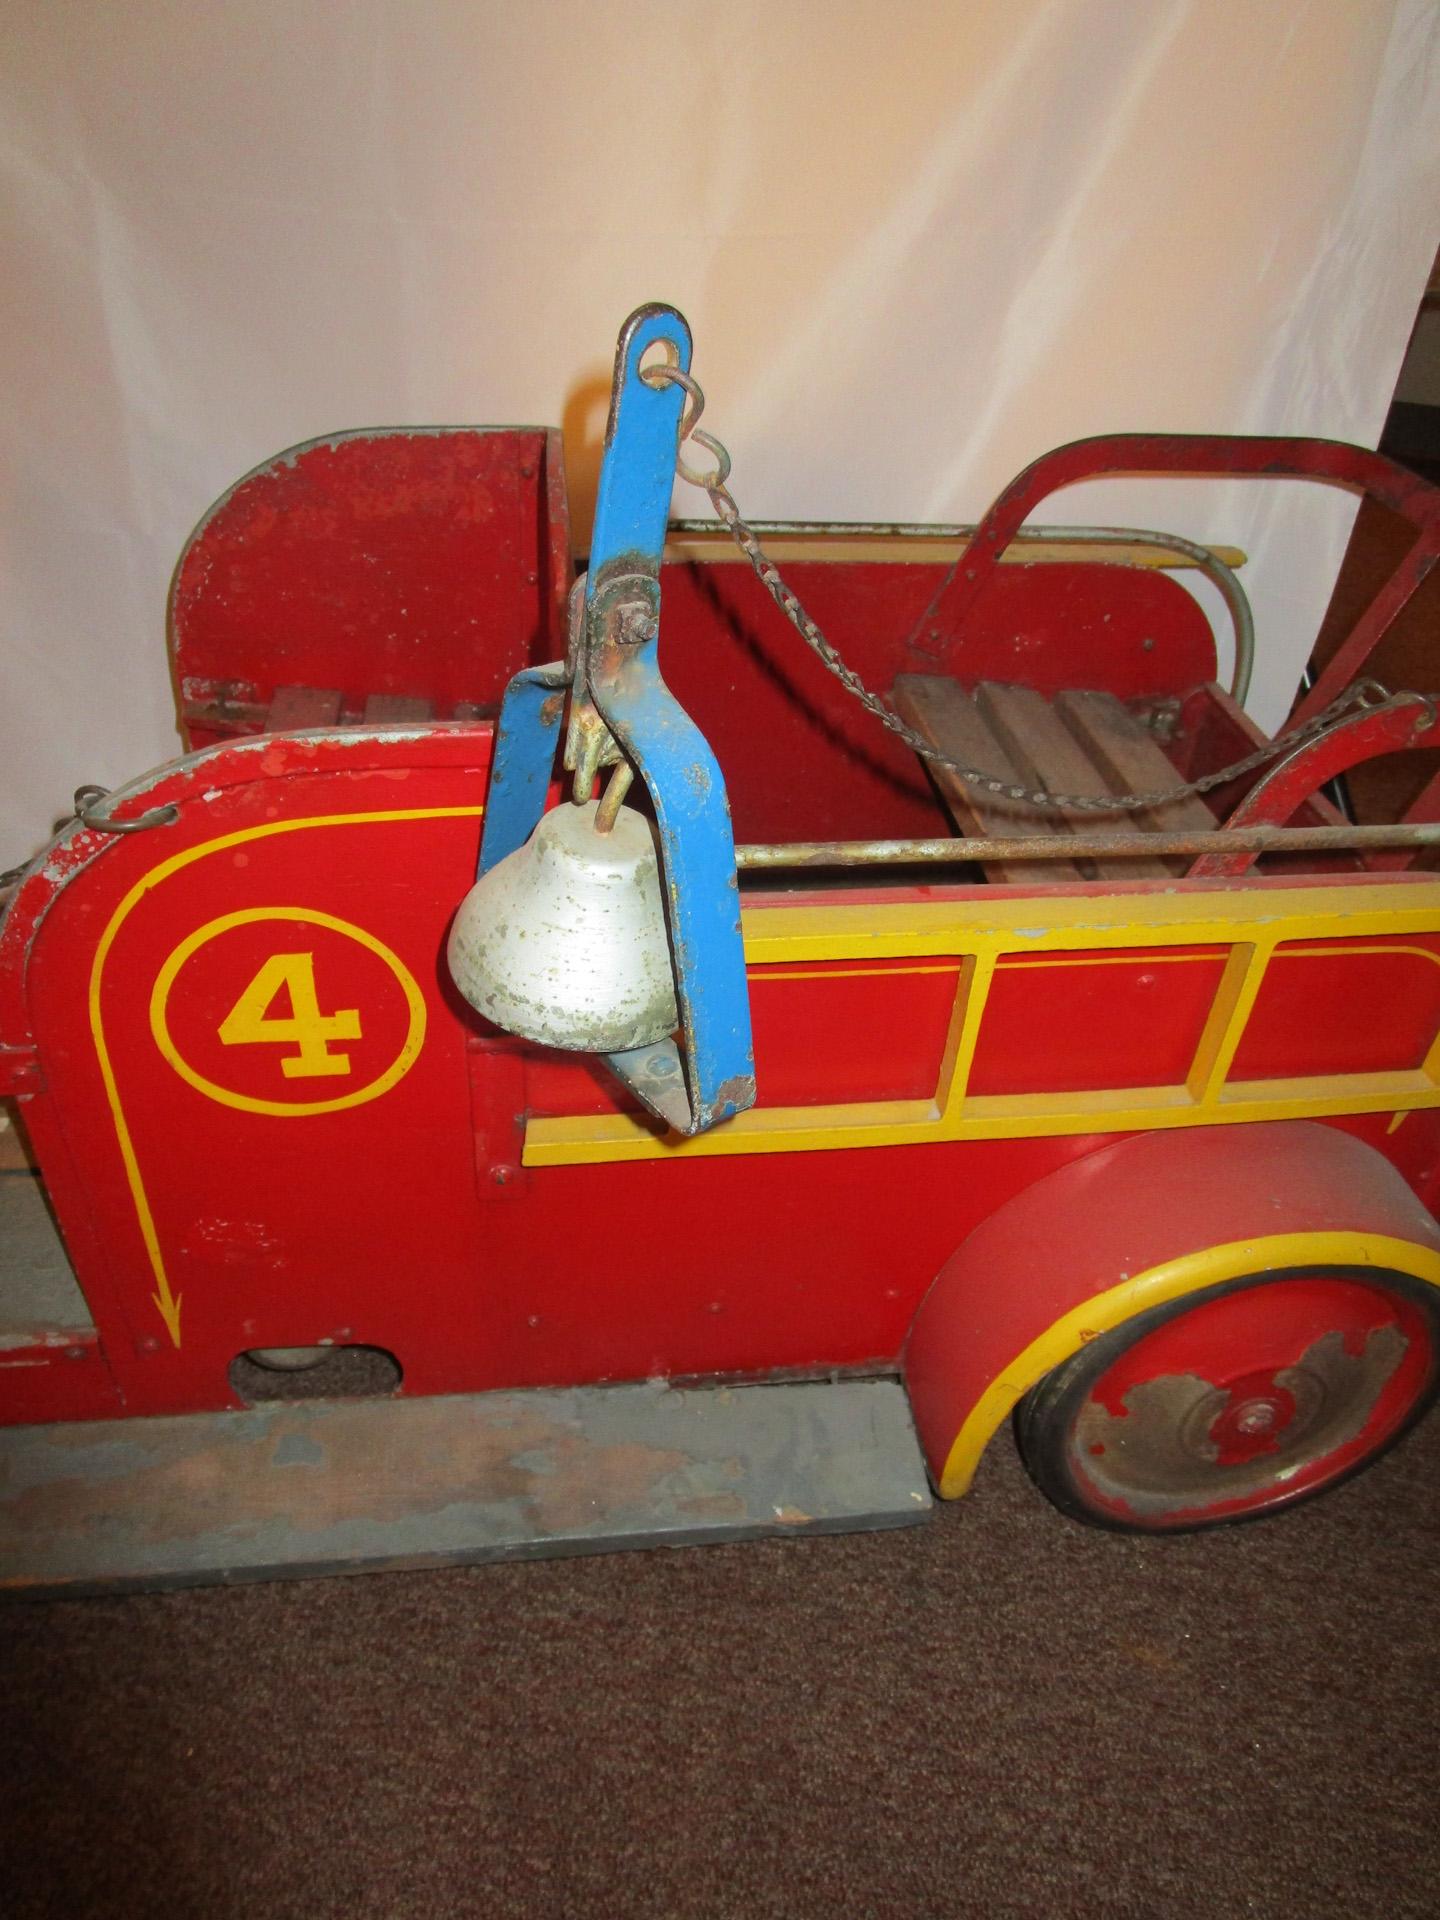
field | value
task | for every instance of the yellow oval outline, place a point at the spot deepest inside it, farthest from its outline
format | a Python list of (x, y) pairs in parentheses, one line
[(246, 1103)]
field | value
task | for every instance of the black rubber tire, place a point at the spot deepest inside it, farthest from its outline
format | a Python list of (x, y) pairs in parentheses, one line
[(1044, 1417)]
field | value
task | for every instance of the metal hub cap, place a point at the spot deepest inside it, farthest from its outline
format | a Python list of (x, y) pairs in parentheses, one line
[(1250, 1398)]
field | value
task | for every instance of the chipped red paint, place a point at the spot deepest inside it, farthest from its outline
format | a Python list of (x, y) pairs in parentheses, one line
[(1253, 1350), (62, 1376)]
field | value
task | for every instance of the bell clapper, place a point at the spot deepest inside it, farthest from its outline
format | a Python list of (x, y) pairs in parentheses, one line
[(589, 745)]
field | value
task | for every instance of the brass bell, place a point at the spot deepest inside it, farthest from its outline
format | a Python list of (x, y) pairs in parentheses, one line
[(564, 942)]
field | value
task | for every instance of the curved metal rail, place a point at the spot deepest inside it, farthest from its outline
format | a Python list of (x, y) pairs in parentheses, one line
[(1222, 576)]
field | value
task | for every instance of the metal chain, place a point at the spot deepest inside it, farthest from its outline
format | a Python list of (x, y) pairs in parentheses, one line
[(1364, 693)]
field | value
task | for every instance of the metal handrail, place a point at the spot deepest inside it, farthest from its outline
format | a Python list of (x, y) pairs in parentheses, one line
[(1081, 846), (1218, 571)]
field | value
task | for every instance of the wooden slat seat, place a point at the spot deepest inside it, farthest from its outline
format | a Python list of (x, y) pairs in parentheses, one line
[(951, 719), (295, 709), (1082, 743), (1056, 762)]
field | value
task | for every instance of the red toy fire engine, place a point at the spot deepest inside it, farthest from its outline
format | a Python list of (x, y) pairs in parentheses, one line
[(1124, 1123)]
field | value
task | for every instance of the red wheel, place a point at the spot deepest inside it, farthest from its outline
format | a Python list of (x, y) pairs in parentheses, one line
[(1234, 1402)]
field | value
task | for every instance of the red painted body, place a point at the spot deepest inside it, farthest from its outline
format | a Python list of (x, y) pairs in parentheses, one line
[(1284, 788), (380, 1224), (427, 568), (425, 564)]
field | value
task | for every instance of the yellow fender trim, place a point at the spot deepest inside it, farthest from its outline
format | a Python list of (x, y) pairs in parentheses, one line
[(1171, 1280)]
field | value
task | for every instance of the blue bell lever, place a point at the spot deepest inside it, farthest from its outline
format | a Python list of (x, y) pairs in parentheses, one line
[(607, 907)]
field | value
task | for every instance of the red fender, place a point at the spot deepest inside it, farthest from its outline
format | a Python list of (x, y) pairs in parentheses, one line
[(1140, 1222)]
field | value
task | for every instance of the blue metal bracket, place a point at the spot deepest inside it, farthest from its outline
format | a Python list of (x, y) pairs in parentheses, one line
[(711, 1076), (522, 760)]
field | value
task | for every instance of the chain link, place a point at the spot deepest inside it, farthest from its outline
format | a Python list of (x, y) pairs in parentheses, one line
[(1364, 693)]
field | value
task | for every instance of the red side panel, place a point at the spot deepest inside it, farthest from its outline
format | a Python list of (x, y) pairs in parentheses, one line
[(49, 1381), (1062, 1022), (1304, 1019), (265, 1121)]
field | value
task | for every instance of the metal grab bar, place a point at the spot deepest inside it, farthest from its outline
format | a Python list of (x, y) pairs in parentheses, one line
[(1083, 846)]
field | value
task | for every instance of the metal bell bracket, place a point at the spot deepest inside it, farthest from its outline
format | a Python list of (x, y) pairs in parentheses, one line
[(614, 674)]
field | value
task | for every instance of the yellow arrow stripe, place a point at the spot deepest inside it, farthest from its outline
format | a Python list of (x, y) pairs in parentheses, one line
[(164, 1296)]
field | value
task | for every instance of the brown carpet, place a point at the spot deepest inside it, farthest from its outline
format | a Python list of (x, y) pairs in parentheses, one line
[(999, 1713)]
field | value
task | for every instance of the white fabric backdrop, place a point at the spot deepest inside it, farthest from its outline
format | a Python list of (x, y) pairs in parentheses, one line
[(918, 244)]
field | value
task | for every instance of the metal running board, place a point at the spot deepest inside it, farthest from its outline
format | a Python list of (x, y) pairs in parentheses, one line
[(301, 1489)]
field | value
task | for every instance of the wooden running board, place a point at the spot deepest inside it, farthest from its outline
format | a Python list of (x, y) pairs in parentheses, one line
[(303, 1488)]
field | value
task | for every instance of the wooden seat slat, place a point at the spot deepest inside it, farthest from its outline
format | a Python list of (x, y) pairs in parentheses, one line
[(939, 709), (386, 709), (295, 708), (1050, 756), (1131, 759), (1084, 743)]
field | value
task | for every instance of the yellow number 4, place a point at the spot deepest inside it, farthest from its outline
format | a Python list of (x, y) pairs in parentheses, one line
[(250, 1021)]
